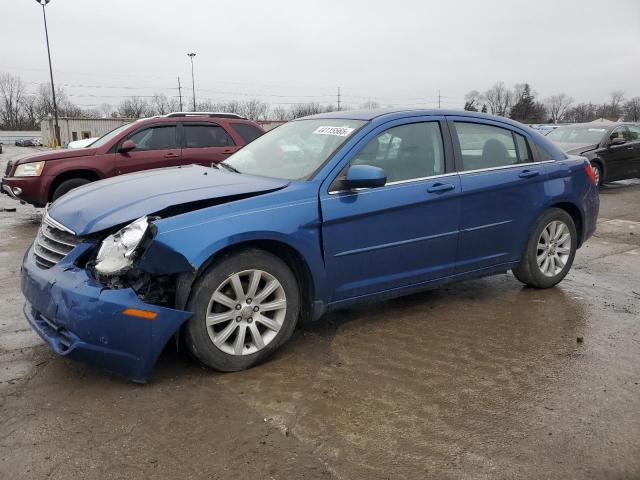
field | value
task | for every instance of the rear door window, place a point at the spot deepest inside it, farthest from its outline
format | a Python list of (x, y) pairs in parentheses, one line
[(486, 146), (203, 136), (246, 131)]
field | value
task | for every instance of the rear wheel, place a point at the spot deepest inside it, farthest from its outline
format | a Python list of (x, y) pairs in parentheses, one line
[(597, 171), (67, 186), (244, 308), (550, 250)]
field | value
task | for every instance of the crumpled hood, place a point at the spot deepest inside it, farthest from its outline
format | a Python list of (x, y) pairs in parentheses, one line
[(119, 200), (576, 148), (57, 155)]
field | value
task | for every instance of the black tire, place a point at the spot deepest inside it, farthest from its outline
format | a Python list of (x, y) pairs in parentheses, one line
[(598, 171), (67, 186), (528, 271), (197, 333)]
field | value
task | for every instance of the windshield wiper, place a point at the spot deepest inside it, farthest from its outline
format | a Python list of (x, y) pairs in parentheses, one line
[(228, 167)]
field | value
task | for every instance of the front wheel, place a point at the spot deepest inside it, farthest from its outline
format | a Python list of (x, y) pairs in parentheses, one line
[(244, 308), (67, 186), (550, 250)]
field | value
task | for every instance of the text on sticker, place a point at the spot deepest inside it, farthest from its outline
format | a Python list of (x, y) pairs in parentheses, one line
[(337, 131)]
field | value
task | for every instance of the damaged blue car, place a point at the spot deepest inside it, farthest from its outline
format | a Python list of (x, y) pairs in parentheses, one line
[(319, 213)]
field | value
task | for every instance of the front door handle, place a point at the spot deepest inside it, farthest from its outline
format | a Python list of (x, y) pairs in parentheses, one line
[(171, 155), (529, 174), (440, 187)]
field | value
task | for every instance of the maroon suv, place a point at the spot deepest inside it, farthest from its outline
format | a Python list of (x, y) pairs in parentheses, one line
[(174, 139)]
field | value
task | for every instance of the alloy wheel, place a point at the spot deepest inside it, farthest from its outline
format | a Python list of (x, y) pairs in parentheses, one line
[(246, 312), (554, 248)]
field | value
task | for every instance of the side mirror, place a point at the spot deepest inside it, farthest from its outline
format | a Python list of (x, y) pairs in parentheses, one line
[(365, 176), (617, 141), (127, 146)]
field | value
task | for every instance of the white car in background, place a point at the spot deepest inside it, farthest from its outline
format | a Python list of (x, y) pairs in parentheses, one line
[(85, 142)]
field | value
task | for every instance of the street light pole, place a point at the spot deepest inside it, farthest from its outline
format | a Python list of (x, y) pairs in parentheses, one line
[(193, 82), (53, 88)]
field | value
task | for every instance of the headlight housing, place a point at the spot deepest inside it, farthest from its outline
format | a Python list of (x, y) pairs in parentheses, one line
[(119, 250), (33, 169)]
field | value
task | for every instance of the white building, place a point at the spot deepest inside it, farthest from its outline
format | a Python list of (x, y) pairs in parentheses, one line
[(72, 128)]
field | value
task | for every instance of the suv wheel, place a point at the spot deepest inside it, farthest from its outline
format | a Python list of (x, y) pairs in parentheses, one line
[(550, 250), (244, 308), (67, 186)]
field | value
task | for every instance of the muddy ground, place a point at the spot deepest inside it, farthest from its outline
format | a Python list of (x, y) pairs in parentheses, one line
[(484, 379)]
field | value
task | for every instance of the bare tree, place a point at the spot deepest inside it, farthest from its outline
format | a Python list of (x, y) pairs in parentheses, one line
[(253, 109), (615, 107), (30, 113), (557, 106), (106, 110), (370, 105), (12, 91), (632, 110), (160, 104), (498, 99), (303, 109), (279, 113), (472, 101), (134, 107)]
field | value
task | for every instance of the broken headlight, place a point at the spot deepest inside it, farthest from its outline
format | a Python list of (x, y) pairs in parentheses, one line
[(119, 250)]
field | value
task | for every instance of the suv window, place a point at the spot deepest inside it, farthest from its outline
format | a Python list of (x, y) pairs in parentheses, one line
[(201, 136), (155, 138), (486, 146), (246, 131), (406, 152)]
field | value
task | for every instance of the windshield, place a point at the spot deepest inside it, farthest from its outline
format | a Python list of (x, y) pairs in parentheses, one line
[(107, 137), (294, 150), (578, 134)]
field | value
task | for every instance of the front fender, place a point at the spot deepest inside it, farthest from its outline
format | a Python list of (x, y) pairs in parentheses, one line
[(186, 243)]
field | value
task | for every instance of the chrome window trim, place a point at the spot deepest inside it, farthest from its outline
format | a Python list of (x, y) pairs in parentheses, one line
[(397, 182), (516, 165), (463, 172)]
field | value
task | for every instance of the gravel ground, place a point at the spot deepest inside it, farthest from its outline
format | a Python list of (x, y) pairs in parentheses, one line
[(483, 379)]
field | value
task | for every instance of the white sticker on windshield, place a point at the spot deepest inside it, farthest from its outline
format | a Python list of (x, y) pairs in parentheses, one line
[(597, 129), (337, 131)]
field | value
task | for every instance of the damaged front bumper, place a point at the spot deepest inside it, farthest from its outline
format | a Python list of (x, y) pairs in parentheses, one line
[(78, 317)]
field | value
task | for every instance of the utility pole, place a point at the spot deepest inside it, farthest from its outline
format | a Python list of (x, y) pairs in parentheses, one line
[(56, 127), (438, 98), (338, 98), (193, 82), (180, 93)]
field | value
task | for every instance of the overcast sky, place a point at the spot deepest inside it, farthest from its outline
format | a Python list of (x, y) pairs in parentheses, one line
[(397, 52)]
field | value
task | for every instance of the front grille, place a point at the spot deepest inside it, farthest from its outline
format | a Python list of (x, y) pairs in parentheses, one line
[(8, 169), (52, 244)]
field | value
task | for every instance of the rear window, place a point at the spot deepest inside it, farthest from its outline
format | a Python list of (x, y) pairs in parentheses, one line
[(247, 132)]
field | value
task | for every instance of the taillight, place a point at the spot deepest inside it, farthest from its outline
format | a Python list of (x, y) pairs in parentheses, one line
[(590, 173)]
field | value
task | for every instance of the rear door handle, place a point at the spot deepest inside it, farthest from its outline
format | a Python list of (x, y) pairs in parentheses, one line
[(440, 187), (529, 174)]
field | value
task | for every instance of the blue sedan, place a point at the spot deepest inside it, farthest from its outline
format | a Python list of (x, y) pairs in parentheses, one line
[(320, 213)]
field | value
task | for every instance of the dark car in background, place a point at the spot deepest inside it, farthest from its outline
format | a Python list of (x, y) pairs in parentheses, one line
[(180, 138), (613, 149)]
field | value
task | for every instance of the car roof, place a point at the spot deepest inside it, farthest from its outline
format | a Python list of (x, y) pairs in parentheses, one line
[(396, 113)]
